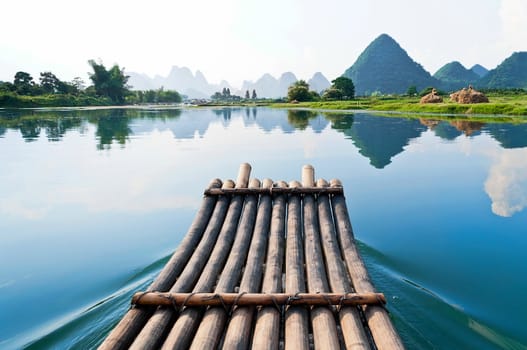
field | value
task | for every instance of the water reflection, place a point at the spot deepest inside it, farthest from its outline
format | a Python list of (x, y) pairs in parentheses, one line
[(114, 127), (452, 130), (226, 113), (270, 120), (378, 139), (441, 129), (509, 135), (506, 184), (300, 119), (159, 159)]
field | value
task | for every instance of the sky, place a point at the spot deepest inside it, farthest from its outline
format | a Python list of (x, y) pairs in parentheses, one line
[(238, 40)]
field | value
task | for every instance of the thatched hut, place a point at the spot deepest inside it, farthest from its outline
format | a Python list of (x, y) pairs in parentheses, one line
[(469, 95), (432, 97)]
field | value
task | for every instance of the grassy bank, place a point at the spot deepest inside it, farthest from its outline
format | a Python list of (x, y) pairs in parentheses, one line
[(498, 105), (11, 100)]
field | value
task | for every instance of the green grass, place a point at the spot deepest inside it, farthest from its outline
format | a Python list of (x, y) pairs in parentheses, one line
[(515, 105)]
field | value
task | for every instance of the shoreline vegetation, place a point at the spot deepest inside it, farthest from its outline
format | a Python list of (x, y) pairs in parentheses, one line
[(502, 107), (110, 88), (496, 112), (499, 105)]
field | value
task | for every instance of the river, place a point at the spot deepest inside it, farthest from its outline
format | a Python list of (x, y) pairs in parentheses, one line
[(94, 201)]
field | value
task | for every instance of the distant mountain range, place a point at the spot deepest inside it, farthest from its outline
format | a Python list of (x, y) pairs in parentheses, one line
[(383, 67), (454, 76), (511, 73), (179, 78), (479, 70), (197, 86)]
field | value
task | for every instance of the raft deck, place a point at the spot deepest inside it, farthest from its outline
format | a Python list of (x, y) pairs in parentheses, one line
[(264, 265)]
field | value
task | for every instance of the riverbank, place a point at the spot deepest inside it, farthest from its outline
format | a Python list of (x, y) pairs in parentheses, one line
[(12, 100), (502, 108), (513, 105)]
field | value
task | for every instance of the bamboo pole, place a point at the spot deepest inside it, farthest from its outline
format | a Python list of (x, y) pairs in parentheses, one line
[(244, 172), (274, 190), (296, 317), (212, 325), (323, 323), (308, 176), (238, 333), (256, 299), (182, 331), (383, 332), (339, 281), (125, 331), (267, 327), (154, 330)]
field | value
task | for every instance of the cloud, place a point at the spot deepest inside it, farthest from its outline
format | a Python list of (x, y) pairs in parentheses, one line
[(513, 14), (507, 182), (100, 183)]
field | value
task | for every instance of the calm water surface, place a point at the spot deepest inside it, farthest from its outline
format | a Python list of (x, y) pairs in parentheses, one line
[(92, 203)]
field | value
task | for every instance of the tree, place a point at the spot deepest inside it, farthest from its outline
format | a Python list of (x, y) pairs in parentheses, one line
[(412, 90), (332, 94), (78, 84), (345, 85), (109, 83), (168, 96), (247, 96), (299, 91), (24, 84), (254, 94), (150, 96), (217, 95), (49, 83), (7, 87)]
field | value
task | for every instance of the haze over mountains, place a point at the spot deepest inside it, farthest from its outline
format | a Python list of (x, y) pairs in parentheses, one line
[(196, 85), (384, 67)]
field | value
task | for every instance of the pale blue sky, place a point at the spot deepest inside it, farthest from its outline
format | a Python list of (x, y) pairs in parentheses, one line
[(241, 39)]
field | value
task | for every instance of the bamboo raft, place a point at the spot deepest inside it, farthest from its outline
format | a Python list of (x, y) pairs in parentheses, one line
[(265, 266)]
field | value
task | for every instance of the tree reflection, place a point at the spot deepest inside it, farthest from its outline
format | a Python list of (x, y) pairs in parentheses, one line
[(57, 128), (299, 119), (377, 138), (226, 113), (113, 127), (30, 129), (339, 121)]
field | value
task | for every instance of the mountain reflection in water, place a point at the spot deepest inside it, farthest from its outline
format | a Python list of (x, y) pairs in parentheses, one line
[(94, 200)]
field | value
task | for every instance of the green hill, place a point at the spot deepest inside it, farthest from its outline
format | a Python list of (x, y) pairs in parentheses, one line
[(511, 73), (385, 67), (454, 76), (479, 70)]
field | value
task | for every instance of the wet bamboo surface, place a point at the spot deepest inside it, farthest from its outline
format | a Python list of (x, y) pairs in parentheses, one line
[(264, 265)]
